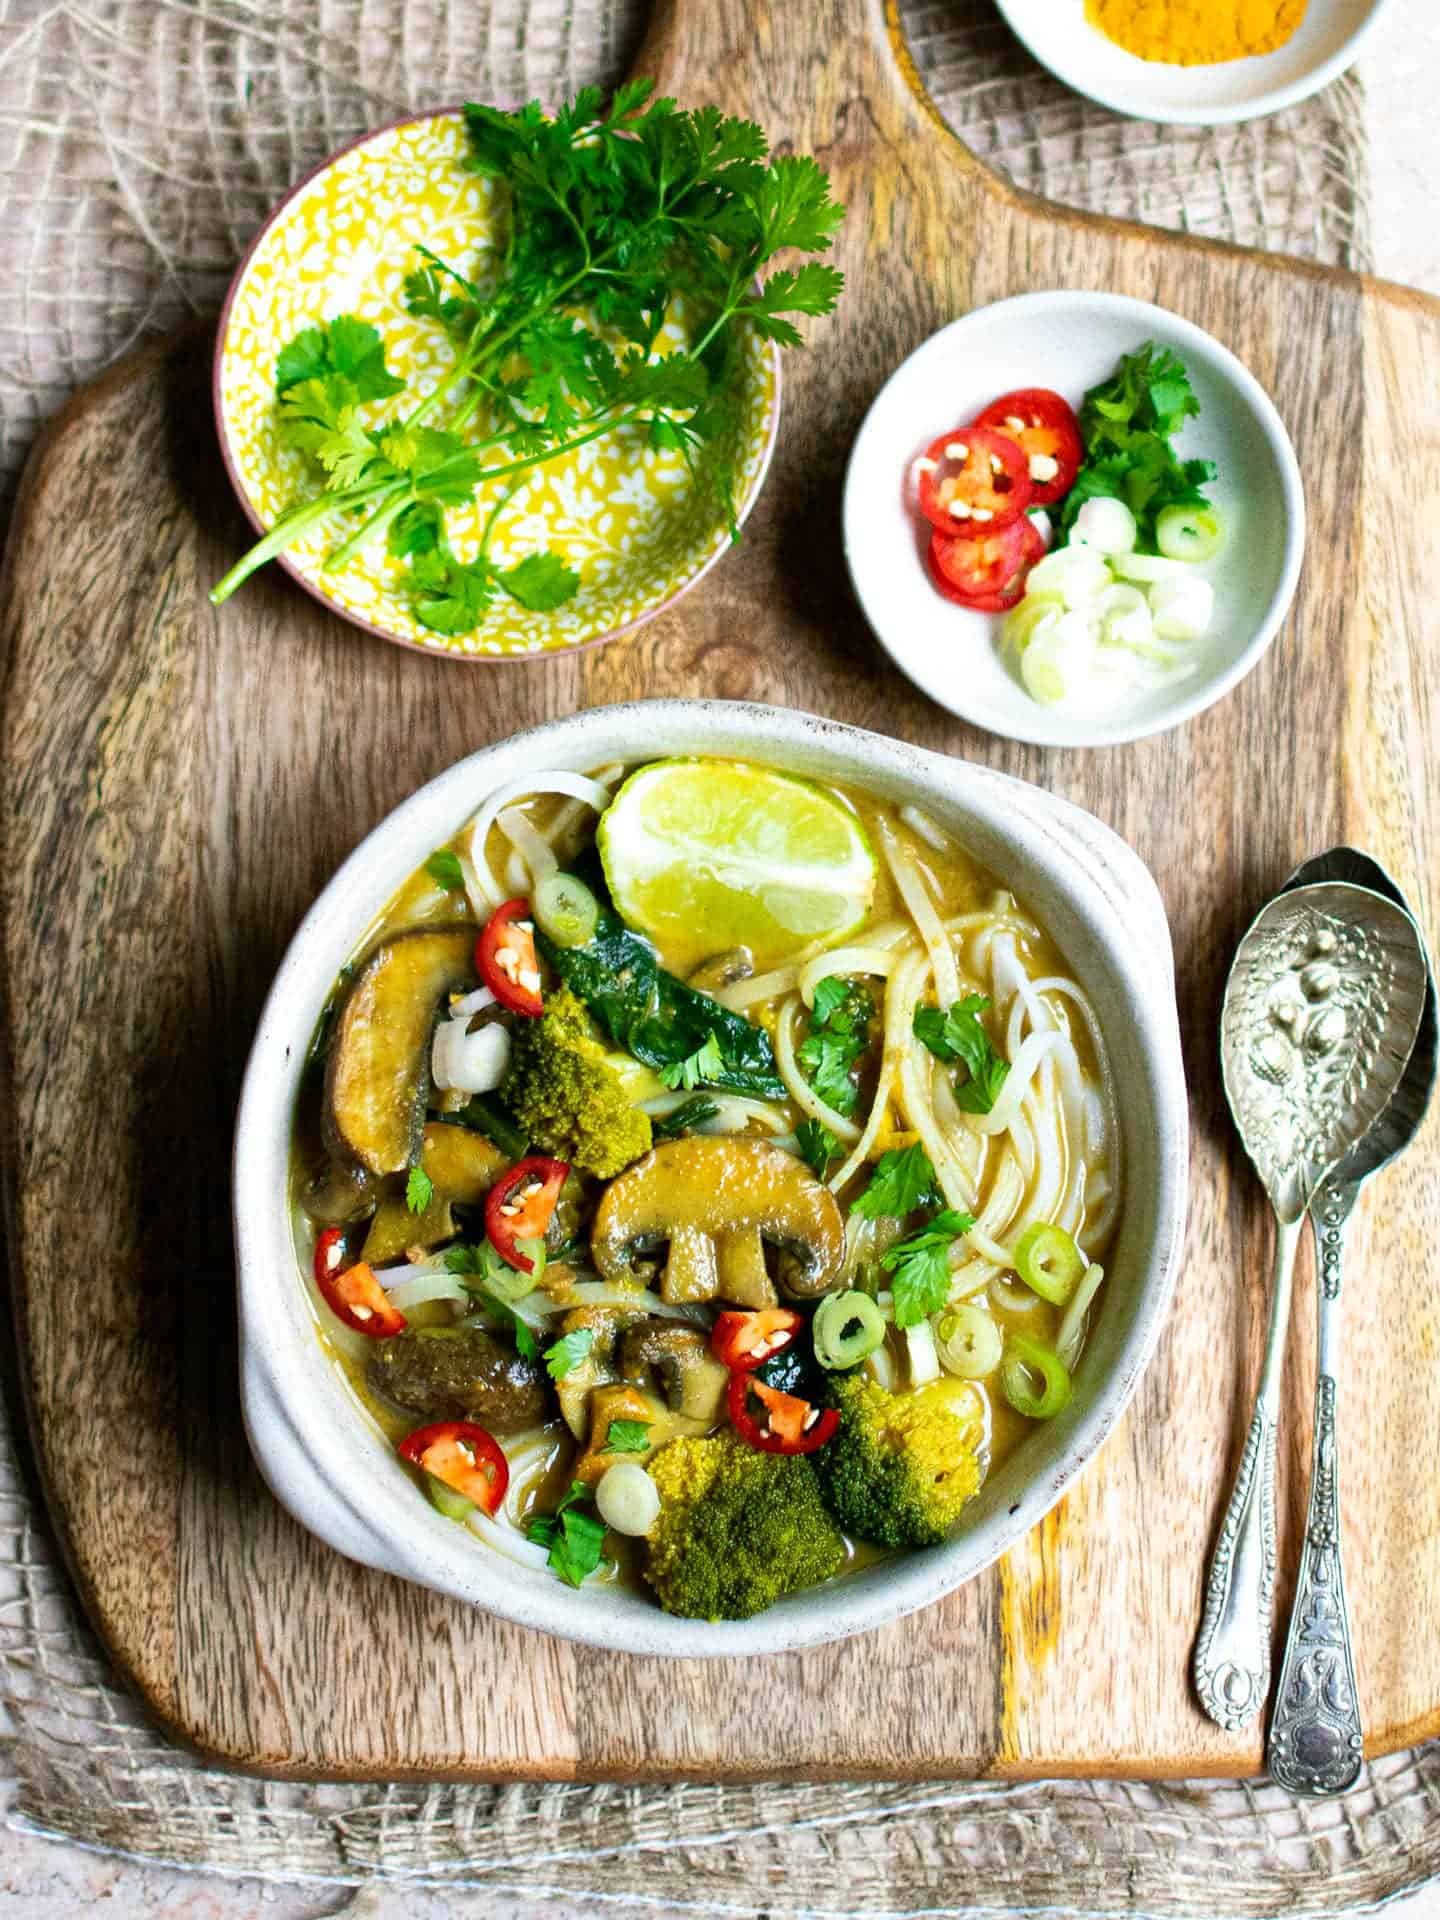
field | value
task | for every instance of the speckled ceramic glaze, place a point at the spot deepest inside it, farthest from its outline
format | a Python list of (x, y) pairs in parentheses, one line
[(629, 519), (331, 1466)]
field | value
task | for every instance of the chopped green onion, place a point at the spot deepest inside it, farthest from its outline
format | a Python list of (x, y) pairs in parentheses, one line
[(1147, 568), (1189, 533), (1023, 1359), (445, 1500), (846, 1327), (1049, 1262), (1018, 626), (969, 1342), (565, 909)]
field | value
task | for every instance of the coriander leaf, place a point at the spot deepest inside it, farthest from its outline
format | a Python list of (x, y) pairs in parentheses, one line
[(693, 1114), (349, 348), (444, 868), (811, 289), (419, 1190), (478, 1263), (416, 530), (318, 417), (959, 1035), (839, 1034), (818, 1146), (575, 1538), (303, 358), (903, 1180), (794, 206), (628, 1436), (540, 582), (920, 1267), (707, 1062), (831, 993), (569, 1352), (449, 596)]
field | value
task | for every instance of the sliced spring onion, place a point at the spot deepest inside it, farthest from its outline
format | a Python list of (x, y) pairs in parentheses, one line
[(445, 1500), (469, 1062), (1182, 609), (920, 1355), (628, 1499), (1049, 1262), (1021, 621), (1124, 616), (565, 909), (846, 1329), (427, 1286), (1070, 1334), (1076, 574), (1059, 657), (968, 1341), (1145, 567), (1189, 533), (1024, 1359), (1106, 525)]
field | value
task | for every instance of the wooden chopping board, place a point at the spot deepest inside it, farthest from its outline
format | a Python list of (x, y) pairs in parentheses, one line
[(178, 783)]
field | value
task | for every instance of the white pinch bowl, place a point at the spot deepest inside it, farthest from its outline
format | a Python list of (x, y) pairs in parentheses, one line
[(1327, 41), (1069, 341), (327, 1461)]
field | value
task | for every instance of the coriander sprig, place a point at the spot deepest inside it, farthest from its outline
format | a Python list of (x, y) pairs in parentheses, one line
[(615, 216)]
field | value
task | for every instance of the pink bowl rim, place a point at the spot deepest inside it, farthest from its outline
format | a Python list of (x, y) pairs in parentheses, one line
[(287, 566)]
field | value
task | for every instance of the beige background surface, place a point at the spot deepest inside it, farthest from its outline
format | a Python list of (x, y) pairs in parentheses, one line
[(41, 1880)]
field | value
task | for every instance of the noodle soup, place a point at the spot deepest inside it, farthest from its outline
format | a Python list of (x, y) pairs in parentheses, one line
[(705, 1178)]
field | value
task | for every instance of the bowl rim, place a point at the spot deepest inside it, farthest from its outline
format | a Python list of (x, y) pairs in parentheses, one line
[(1084, 732), (287, 566), (305, 1456), (1258, 108)]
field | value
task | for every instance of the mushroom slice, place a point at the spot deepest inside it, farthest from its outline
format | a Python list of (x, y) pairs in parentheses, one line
[(715, 1201), (620, 1402), (599, 1368), (676, 1362)]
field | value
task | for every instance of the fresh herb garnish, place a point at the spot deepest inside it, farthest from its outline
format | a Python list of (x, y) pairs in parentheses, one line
[(959, 1035), (419, 1190), (903, 1180), (839, 1034), (575, 1538), (657, 1018), (1128, 423), (478, 1264), (919, 1267), (818, 1146), (570, 1351), (694, 1113), (628, 1436), (444, 868), (705, 1064), (615, 216)]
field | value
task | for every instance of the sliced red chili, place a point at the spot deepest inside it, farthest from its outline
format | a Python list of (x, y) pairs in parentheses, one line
[(974, 479), (1044, 426), (506, 960), (791, 1425), (353, 1294), (746, 1340), (464, 1457), (521, 1205)]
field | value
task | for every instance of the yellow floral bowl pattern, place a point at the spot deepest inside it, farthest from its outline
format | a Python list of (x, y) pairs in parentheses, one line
[(629, 519)]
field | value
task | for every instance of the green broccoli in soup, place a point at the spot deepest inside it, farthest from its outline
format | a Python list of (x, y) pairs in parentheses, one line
[(737, 1529), (901, 1466), (567, 1096)]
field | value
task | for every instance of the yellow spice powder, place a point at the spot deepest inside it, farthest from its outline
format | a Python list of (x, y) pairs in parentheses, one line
[(1196, 33)]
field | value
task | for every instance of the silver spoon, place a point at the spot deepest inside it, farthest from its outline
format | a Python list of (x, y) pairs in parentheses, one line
[(1321, 1011), (1316, 1743)]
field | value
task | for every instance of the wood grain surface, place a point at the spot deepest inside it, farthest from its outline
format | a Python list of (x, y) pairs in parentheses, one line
[(177, 784)]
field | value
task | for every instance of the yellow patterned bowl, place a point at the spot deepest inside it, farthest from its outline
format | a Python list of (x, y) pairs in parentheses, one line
[(629, 519)]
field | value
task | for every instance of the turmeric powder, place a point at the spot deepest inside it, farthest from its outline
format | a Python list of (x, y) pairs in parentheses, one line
[(1196, 33)]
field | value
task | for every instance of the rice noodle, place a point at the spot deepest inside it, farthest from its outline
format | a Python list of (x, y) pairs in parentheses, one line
[(761, 986), (799, 1088), (1070, 1335), (422, 1287), (1023, 1067), (595, 1293), (900, 997), (910, 884), (485, 894), (879, 962), (531, 845), (733, 1111), (1013, 1299), (927, 829)]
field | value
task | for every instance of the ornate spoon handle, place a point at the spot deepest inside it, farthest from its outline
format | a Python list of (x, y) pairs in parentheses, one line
[(1232, 1653), (1316, 1744)]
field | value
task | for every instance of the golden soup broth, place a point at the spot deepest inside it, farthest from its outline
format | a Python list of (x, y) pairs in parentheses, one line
[(959, 886)]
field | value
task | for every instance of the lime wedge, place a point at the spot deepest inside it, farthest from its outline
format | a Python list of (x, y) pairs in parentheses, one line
[(703, 855)]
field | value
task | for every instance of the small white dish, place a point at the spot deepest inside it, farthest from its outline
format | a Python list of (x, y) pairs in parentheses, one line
[(1326, 42), (325, 1458), (1068, 341)]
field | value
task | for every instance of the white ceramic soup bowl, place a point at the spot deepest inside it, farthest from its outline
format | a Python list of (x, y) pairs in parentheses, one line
[(328, 1462)]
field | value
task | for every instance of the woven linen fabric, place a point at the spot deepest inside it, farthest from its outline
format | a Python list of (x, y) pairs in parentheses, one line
[(143, 141)]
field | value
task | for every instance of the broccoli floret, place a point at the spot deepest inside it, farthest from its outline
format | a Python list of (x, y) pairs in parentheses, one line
[(567, 1097), (737, 1529), (901, 1466)]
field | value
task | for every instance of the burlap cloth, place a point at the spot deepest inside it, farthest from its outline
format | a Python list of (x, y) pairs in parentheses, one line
[(143, 141)]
